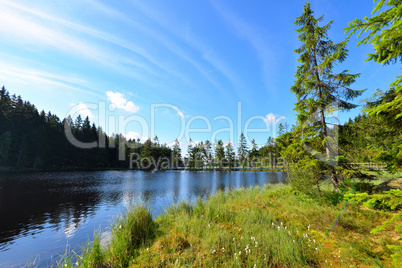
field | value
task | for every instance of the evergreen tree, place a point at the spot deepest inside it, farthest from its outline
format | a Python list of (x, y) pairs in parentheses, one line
[(230, 154), (383, 31), (219, 152), (319, 92), (242, 150), (191, 154), (208, 153), (176, 154)]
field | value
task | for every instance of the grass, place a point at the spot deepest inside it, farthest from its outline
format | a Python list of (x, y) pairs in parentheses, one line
[(256, 227)]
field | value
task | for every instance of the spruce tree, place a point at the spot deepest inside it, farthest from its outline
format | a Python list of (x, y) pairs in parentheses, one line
[(319, 91), (242, 150), (219, 152)]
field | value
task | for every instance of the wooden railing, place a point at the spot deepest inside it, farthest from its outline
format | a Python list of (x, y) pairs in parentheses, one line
[(370, 165)]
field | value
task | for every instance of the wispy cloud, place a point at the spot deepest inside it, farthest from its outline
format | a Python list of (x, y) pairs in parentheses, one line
[(185, 35), (254, 37), (160, 38), (31, 75), (30, 32), (35, 30), (121, 102)]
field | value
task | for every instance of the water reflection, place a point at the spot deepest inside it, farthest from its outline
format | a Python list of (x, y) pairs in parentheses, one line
[(43, 212)]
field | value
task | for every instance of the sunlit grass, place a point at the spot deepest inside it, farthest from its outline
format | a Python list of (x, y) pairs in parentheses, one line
[(269, 227)]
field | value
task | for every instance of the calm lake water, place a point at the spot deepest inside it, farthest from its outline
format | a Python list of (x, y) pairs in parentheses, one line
[(43, 214)]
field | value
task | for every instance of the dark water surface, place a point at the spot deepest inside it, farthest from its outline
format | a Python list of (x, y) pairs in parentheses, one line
[(41, 214)]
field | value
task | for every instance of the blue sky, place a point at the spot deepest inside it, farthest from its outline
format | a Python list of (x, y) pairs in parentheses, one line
[(203, 57)]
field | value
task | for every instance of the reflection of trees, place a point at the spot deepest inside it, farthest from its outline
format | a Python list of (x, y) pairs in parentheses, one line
[(29, 201)]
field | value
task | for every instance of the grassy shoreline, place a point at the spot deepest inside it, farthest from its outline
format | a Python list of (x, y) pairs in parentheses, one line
[(256, 227)]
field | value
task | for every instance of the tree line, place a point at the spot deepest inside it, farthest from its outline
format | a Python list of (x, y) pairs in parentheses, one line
[(30, 139)]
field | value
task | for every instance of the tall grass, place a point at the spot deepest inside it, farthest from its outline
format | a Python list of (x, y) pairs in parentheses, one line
[(132, 230), (269, 227)]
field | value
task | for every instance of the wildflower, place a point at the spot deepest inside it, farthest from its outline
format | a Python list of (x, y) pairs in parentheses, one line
[(234, 239), (239, 229), (252, 238), (213, 251), (239, 253), (147, 249), (120, 227), (279, 227), (316, 248), (217, 215), (209, 225), (281, 223), (293, 241), (223, 249)]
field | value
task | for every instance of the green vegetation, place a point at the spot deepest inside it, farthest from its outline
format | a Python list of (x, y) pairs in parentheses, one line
[(270, 227)]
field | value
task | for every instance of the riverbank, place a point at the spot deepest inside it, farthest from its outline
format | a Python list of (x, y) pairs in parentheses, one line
[(273, 226)]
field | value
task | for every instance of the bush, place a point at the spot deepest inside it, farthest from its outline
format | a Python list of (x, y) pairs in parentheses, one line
[(304, 181)]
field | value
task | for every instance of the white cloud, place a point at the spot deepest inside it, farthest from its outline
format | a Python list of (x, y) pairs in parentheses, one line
[(134, 136), (171, 144), (82, 109), (228, 142), (121, 102), (272, 121)]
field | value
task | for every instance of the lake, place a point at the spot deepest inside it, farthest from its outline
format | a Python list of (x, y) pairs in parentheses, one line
[(43, 214)]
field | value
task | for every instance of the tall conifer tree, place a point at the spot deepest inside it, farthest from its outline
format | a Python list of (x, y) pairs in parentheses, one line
[(319, 91)]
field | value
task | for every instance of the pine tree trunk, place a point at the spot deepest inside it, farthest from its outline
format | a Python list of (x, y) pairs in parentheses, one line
[(335, 181)]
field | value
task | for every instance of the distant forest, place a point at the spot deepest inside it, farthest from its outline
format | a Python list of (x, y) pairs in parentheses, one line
[(35, 140), (30, 139)]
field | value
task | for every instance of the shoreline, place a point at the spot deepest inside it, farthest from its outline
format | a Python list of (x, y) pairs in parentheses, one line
[(271, 226)]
